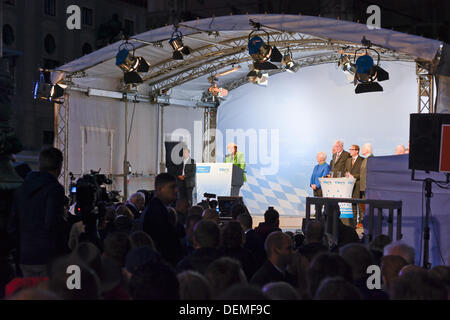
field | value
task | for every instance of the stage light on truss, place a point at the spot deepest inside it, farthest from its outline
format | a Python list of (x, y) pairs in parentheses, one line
[(131, 66), (216, 91), (262, 53), (44, 90), (368, 73), (288, 62), (176, 42), (257, 77)]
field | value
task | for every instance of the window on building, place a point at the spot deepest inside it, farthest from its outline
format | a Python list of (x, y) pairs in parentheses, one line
[(50, 7), (129, 27), (49, 44), (8, 35), (87, 16), (86, 49)]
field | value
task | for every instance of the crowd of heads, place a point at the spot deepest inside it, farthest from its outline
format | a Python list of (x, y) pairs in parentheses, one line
[(225, 259)]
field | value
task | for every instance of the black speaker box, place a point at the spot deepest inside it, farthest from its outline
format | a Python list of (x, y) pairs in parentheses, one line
[(425, 131)]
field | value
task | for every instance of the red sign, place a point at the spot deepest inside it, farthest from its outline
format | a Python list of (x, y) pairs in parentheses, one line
[(444, 163)]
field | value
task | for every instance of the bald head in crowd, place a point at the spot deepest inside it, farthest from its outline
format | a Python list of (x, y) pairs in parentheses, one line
[(400, 249), (138, 199)]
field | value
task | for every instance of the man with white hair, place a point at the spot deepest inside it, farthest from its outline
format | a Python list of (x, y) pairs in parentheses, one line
[(401, 249), (136, 203), (366, 151), (320, 170), (400, 149), (339, 159)]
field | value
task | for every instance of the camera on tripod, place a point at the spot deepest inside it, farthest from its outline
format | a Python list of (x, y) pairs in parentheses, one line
[(91, 195)]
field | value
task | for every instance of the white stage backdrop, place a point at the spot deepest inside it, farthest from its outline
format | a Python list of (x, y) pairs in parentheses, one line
[(299, 114)]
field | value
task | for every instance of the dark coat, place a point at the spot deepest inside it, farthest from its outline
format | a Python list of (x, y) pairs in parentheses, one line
[(339, 165), (355, 171), (268, 273), (264, 229), (37, 219), (254, 243), (245, 257), (156, 223), (311, 249), (133, 210), (199, 260)]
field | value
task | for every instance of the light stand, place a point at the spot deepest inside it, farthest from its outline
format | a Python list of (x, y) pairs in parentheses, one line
[(426, 228)]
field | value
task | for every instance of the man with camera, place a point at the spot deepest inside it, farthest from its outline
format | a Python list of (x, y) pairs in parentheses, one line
[(37, 221)]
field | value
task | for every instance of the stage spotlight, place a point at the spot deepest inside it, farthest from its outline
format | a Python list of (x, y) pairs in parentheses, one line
[(261, 53), (257, 77), (364, 87), (288, 62), (176, 42), (216, 91), (131, 65), (46, 91)]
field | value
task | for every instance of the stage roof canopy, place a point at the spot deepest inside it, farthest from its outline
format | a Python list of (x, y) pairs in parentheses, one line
[(219, 43)]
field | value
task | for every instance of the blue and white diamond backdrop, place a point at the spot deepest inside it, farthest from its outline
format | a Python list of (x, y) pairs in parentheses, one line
[(281, 127)]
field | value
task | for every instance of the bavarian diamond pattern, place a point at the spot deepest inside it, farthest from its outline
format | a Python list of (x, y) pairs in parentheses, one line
[(260, 192)]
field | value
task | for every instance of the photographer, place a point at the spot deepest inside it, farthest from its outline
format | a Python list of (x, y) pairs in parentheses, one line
[(37, 221)]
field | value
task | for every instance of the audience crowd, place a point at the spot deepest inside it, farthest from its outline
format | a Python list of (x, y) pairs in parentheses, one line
[(158, 247)]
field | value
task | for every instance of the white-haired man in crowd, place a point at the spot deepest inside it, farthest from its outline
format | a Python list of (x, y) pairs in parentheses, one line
[(400, 149), (401, 249), (136, 203)]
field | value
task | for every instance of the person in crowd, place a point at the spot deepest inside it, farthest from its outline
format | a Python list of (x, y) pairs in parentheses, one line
[(206, 241), (154, 281), (279, 249), (353, 170), (188, 243), (156, 220), (336, 288), (242, 292), (237, 209), (186, 180), (418, 286), (390, 268), (359, 258), (136, 203), (339, 159), (280, 291), (223, 273), (320, 170), (252, 240), (37, 220), (346, 235), (376, 247), (182, 207), (236, 157), (123, 223), (271, 223), (313, 243), (212, 215), (90, 286), (116, 246), (400, 149), (326, 265), (232, 246), (141, 239), (138, 257), (194, 286), (198, 210), (401, 249)]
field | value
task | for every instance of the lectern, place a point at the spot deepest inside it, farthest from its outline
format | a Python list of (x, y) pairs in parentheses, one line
[(222, 179)]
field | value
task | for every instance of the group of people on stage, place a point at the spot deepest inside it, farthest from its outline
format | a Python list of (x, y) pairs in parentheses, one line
[(344, 164)]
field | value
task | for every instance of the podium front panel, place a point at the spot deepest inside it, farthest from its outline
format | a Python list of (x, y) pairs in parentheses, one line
[(213, 178), (339, 188)]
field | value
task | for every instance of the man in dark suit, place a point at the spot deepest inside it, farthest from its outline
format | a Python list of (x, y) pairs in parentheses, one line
[(339, 159), (156, 220), (252, 240), (353, 169), (186, 179), (279, 249)]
